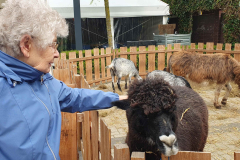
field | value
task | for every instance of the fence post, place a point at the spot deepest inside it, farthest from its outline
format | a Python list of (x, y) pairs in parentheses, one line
[(81, 68), (105, 141), (193, 46), (121, 152), (138, 156), (200, 46), (89, 67), (189, 156), (103, 64), (114, 53), (73, 65), (56, 73), (77, 78), (219, 47), (63, 56), (56, 61), (237, 55), (228, 46), (68, 143), (142, 61), (133, 57), (67, 73), (96, 65), (209, 46), (151, 58), (108, 62), (161, 57), (94, 134), (236, 155), (177, 47), (123, 50), (169, 47), (86, 150)]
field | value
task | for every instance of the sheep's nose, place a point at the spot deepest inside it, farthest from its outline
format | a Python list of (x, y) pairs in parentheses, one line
[(168, 140)]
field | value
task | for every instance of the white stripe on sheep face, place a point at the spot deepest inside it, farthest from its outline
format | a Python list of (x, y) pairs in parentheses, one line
[(170, 145)]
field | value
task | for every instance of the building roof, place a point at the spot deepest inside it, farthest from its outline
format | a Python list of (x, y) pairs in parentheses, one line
[(118, 8)]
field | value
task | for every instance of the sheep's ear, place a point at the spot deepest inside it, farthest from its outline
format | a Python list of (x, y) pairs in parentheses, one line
[(123, 104)]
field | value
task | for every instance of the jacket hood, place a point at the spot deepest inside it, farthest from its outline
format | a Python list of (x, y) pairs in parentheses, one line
[(15, 70)]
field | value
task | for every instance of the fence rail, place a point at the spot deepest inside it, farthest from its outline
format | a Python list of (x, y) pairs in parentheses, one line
[(147, 60)]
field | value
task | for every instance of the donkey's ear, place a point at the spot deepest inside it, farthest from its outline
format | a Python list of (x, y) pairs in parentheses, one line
[(122, 104)]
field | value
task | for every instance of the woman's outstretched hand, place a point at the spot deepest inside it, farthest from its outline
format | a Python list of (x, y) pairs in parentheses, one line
[(121, 97)]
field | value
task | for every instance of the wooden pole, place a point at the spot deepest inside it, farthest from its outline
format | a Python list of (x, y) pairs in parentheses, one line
[(121, 152), (138, 156)]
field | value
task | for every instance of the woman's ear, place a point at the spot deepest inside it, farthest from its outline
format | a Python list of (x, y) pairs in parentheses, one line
[(25, 45)]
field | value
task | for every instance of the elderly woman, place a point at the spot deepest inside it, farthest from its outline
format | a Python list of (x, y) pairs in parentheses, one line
[(31, 100)]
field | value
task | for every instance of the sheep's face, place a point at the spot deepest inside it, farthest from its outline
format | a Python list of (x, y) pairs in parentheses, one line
[(156, 128)]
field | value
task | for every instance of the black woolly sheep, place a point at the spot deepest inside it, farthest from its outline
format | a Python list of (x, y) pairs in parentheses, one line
[(164, 119)]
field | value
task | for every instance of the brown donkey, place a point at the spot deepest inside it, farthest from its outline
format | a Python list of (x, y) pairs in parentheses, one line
[(218, 68)]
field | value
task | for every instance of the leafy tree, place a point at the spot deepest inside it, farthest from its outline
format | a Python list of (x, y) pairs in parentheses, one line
[(108, 22), (184, 10)]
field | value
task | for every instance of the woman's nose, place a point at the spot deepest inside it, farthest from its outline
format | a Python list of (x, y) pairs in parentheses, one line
[(56, 54)]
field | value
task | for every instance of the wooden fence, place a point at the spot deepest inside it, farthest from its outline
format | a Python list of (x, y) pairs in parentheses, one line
[(71, 130), (148, 60), (80, 131)]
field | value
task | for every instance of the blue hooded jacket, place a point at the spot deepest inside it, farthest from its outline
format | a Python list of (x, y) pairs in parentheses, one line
[(30, 110)]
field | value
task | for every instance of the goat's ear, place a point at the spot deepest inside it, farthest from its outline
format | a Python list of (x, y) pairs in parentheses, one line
[(122, 104)]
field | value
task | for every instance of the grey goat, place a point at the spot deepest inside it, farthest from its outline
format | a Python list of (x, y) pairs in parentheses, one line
[(172, 79), (121, 67)]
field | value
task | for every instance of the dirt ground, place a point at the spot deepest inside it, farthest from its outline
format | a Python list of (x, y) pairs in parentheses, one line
[(224, 124)]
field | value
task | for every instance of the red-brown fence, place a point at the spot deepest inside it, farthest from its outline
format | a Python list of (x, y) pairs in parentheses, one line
[(84, 136)]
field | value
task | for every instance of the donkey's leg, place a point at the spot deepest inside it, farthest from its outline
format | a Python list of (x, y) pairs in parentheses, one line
[(118, 83), (228, 90), (217, 93)]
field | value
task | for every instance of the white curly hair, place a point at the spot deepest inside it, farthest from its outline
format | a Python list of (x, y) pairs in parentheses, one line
[(29, 17)]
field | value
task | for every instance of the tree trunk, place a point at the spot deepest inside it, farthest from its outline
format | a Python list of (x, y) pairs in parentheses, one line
[(108, 23)]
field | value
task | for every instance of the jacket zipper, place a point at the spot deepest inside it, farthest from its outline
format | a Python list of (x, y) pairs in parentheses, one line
[(42, 79), (49, 122), (49, 95)]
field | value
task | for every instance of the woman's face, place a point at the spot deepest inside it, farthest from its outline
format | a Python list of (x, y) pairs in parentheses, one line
[(43, 59)]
